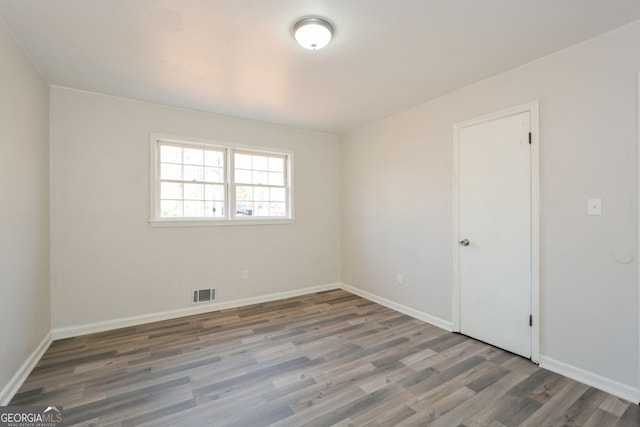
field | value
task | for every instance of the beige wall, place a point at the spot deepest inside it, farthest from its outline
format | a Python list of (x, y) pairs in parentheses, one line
[(108, 263), (24, 209), (397, 201)]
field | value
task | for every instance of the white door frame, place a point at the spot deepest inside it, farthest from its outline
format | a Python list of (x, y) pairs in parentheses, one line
[(638, 170), (533, 109)]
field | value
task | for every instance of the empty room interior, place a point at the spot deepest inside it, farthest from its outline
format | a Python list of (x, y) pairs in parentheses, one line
[(363, 212)]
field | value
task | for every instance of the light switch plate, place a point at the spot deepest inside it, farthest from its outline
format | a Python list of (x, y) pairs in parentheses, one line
[(594, 207)]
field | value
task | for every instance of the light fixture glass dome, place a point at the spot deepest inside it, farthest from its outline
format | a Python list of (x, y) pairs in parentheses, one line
[(313, 33)]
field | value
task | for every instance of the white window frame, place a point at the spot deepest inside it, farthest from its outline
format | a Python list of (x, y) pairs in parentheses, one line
[(229, 149)]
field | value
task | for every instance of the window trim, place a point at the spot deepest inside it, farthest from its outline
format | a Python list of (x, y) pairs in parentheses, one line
[(229, 149)]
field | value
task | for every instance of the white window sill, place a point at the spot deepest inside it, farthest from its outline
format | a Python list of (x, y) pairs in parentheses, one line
[(220, 222)]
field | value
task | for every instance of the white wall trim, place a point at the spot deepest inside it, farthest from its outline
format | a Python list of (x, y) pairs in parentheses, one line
[(77, 330), (589, 378), (605, 384), (11, 388), (14, 384), (533, 109), (433, 320)]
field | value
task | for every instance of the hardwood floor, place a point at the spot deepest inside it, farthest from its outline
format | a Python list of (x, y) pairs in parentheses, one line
[(330, 358)]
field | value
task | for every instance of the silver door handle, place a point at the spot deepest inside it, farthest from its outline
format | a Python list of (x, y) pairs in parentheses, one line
[(464, 242)]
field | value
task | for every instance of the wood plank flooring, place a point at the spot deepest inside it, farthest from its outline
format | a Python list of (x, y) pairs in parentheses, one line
[(330, 358)]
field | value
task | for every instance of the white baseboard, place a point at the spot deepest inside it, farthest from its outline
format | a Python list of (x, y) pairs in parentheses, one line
[(433, 320), (14, 384), (78, 330), (605, 384), (589, 378), (618, 389), (74, 331)]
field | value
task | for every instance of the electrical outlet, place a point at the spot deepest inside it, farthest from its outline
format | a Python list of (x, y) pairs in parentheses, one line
[(245, 274), (400, 279), (594, 207)]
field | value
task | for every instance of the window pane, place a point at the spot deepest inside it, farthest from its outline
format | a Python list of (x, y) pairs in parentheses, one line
[(193, 156), (242, 161), (170, 208), (276, 164), (171, 190), (244, 208), (244, 193), (193, 191), (213, 175), (193, 209), (243, 176), (214, 209), (172, 172), (261, 178), (214, 158), (260, 163), (170, 154), (278, 195), (261, 193), (261, 208), (214, 192), (277, 209), (276, 178), (194, 173)]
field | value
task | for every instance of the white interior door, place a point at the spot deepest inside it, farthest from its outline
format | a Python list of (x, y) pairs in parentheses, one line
[(495, 226)]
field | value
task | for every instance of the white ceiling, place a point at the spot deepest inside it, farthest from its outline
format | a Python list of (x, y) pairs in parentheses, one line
[(238, 57)]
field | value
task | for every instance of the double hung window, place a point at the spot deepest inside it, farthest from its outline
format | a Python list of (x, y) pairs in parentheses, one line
[(260, 184), (197, 183)]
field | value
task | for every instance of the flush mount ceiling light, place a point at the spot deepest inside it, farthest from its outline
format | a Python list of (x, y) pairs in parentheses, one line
[(313, 33)]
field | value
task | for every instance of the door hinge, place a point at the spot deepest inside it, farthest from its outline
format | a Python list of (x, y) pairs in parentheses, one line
[(529, 138), (530, 320)]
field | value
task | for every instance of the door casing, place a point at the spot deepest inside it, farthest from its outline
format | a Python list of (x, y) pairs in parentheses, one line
[(533, 109), (638, 100)]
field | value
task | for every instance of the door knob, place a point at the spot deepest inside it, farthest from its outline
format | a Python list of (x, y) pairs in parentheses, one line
[(464, 242)]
